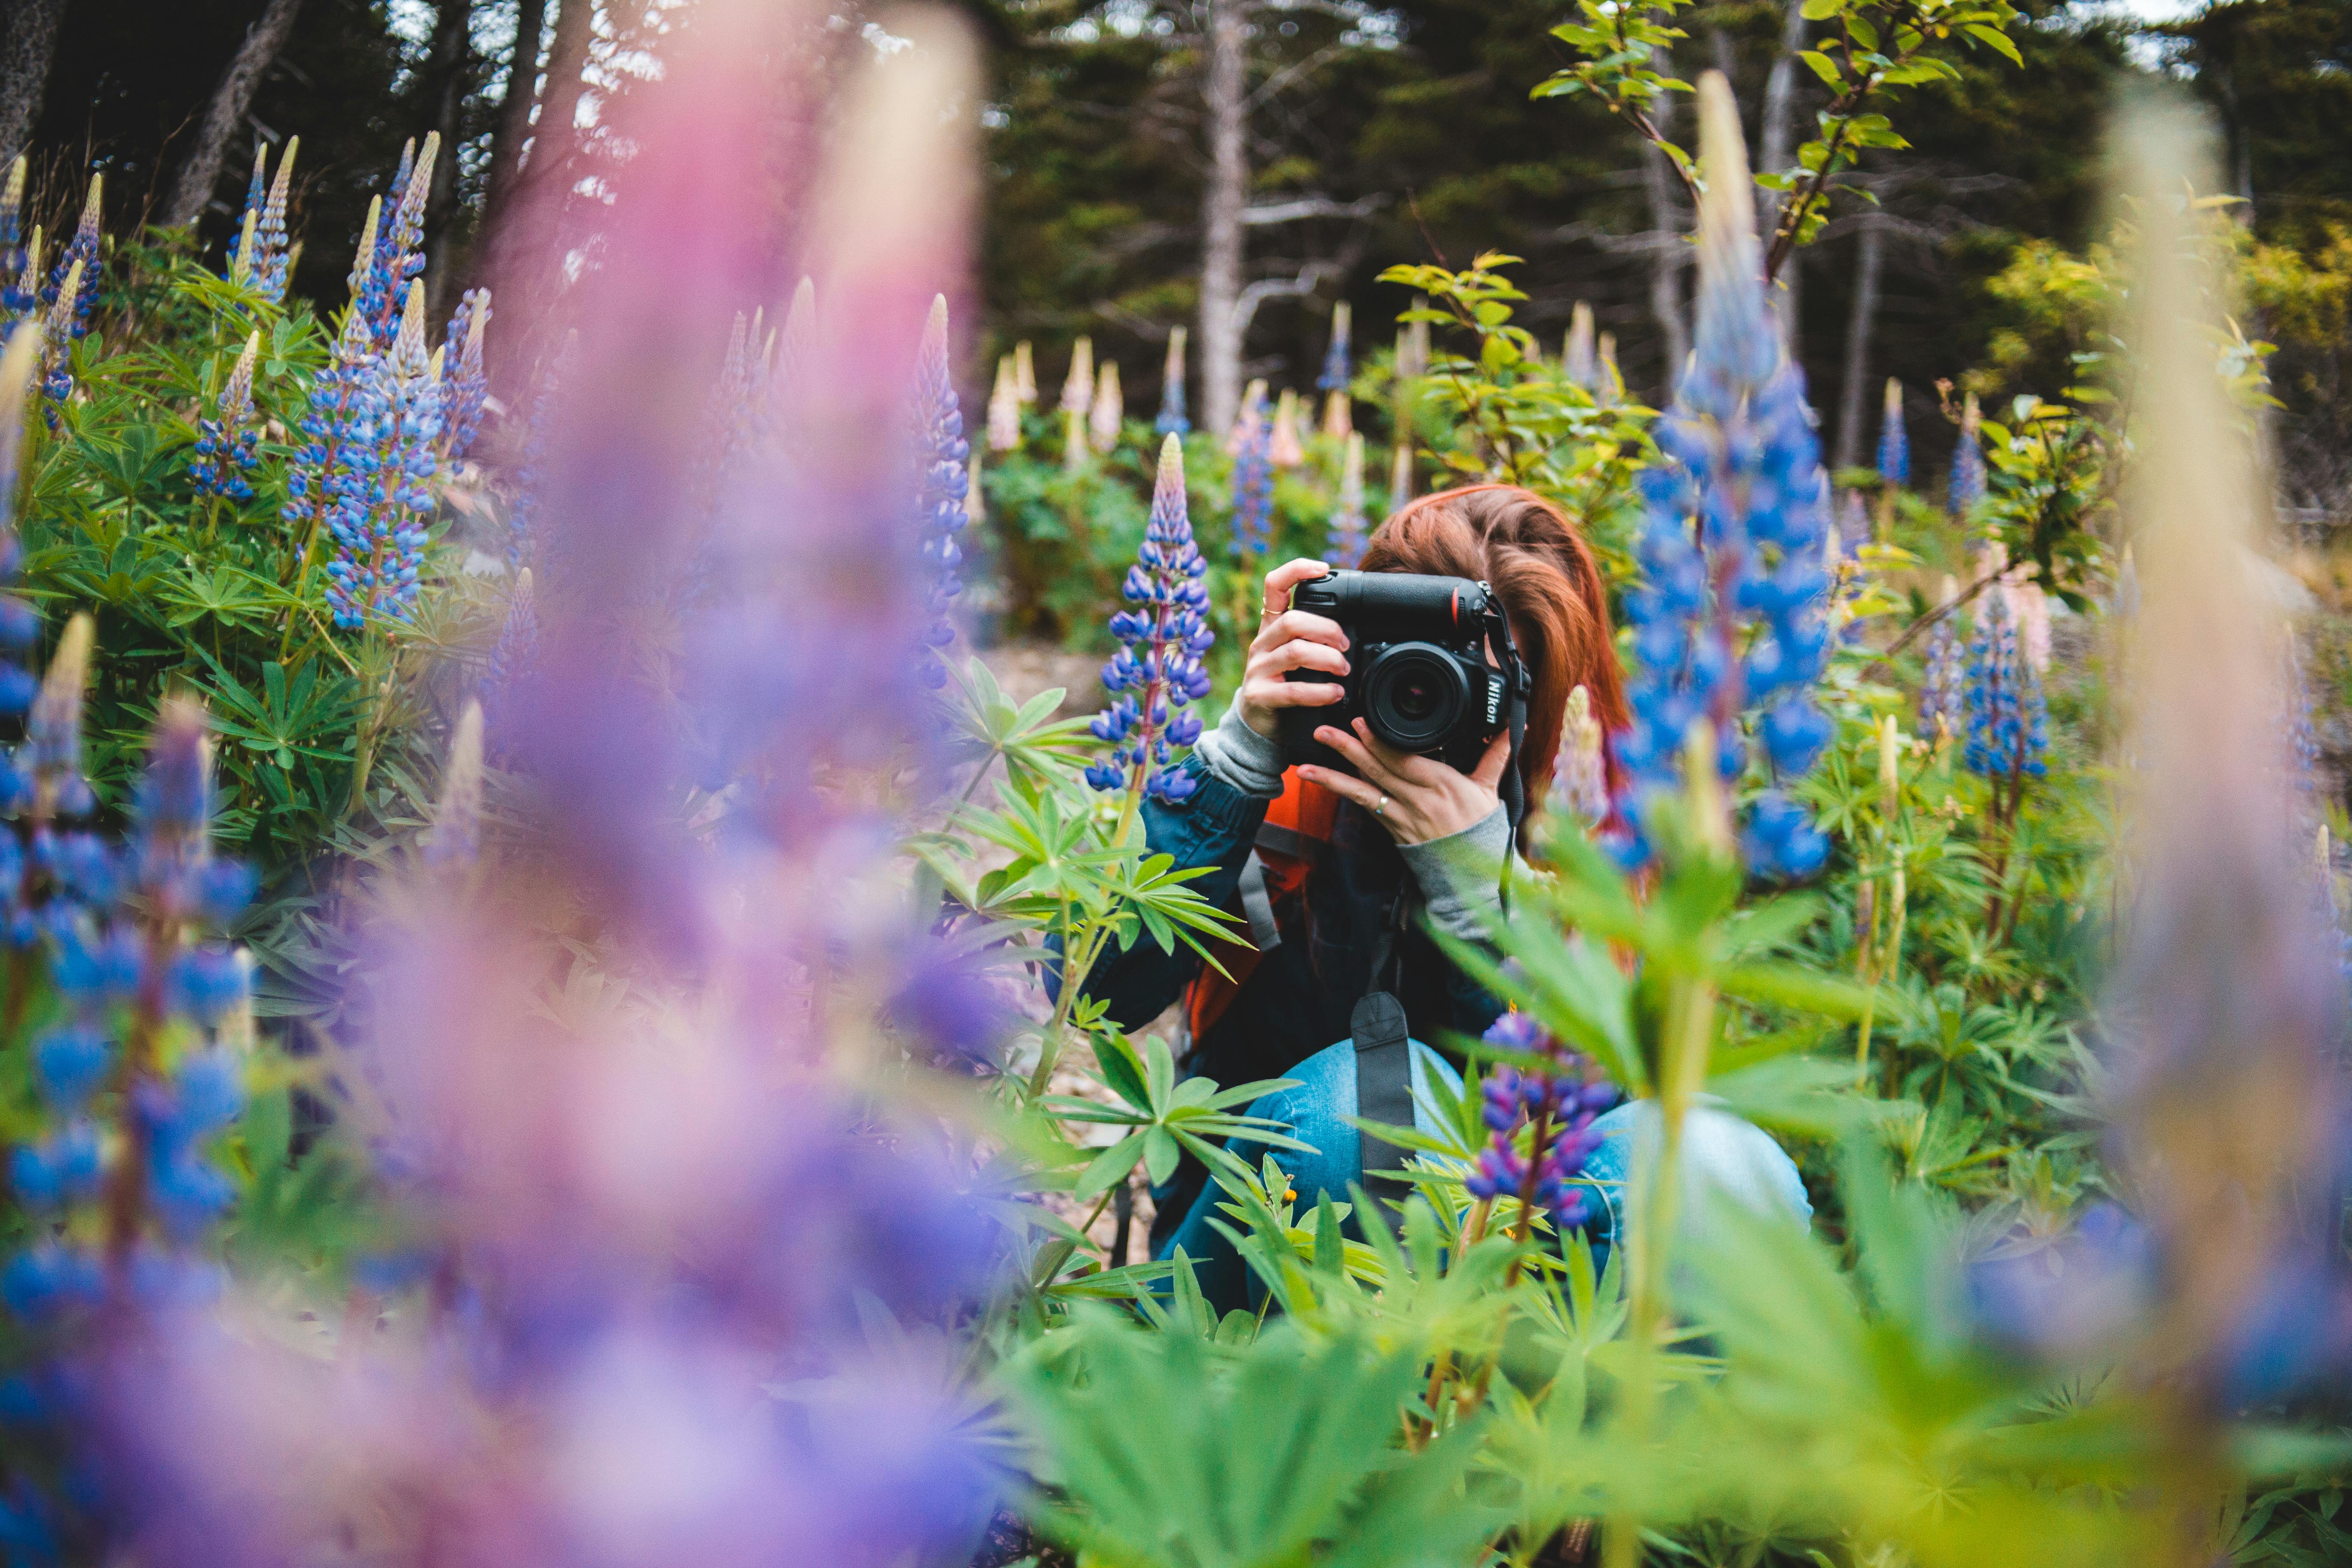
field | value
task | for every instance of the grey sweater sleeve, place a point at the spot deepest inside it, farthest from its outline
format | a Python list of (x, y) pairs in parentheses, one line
[(1461, 876), (1241, 756)]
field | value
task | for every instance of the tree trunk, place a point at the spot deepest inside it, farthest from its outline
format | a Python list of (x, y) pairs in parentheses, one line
[(1777, 143), (201, 170), (1222, 93), (447, 75), (1667, 262), (524, 249), (29, 41), (1854, 397), (514, 121)]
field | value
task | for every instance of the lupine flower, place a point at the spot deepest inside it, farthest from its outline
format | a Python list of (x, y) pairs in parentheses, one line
[(465, 386), (1555, 1101), (1247, 419), (19, 624), (378, 528), (1968, 484), (247, 252), (1025, 372), (74, 279), (939, 515), (2009, 729), (56, 376), (1741, 460), (456, 838), (1158, 672), (1172, 420), (1580, 359), (1943, 703), (326, 473), (517, 650), (1253, 524), (271, 257), (1339, 371), (1003, 409), (1580, 779), (1853, 528), (1285, 450), (530, 472), (225, 451), (17, 297), (1894, 441), (390, 250), (1103, 420), (1077, 397), (1349, 534)]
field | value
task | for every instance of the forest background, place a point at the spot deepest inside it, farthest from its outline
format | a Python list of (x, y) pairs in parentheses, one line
[(1369, 135)]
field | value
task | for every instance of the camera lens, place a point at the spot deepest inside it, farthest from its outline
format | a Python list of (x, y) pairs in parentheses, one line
[(1415, 695)]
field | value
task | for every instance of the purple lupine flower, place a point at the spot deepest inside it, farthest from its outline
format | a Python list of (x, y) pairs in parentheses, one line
[(1968, 482), (379, 527), (225, 442), (1172, 420), (1253, 519), (465, 386), (1728, 618), (324, 480), (77, 264), (1943, 702), (1894, 441), (1553, 1099), (944, 455), (1166, 631), (2007, 717)]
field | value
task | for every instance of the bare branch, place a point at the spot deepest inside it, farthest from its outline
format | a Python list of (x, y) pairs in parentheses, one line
[(1313, 206)]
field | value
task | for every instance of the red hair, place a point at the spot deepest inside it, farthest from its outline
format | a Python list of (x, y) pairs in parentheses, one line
[(1539, 566)]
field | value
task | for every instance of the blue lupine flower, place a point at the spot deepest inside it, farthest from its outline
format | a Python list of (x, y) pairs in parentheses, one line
[(79, 263), (324, 476), (1158, 672), (1741, 462), (271, 252), (945, 456), (1556, 1098), (517, 646), (57, 335), (17, 267), (378, 526), (226, 444), (1338, 370), (1172, 420), (1894, 441), (2007, 717), (1968, 483), (1252, 525), (391, 257), (1349, 531), (1943, 707), (465, 385), (531, 471)]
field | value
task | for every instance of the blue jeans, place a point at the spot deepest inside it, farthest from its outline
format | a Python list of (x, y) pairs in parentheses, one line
[(1721, 1152)]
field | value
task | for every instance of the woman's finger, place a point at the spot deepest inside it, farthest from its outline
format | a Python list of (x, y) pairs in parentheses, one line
[(1283, 578), (1348, 746), (1369, 796), (1489, 771), (1411, 766), (1298, 654), (1280, 694), (1299, 625)]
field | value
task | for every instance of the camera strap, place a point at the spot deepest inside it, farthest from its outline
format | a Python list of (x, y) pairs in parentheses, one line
[(1383, 1053)]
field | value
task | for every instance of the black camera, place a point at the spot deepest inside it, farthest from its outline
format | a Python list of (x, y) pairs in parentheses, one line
[(1417, 667)]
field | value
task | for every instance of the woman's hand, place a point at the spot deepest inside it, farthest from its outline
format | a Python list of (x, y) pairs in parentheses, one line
[(1290, 639), (1417, 798)]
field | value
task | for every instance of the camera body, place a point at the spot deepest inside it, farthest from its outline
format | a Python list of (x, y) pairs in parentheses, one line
[(1418, 669)]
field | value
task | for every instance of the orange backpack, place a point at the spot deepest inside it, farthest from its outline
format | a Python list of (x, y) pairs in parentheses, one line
[(1295, 834)]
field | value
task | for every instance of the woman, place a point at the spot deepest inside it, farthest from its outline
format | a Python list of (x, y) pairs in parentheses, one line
[(1360, 866)]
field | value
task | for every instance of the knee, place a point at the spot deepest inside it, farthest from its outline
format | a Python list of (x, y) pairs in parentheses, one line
[(1724, 1159), (1316, 1111)]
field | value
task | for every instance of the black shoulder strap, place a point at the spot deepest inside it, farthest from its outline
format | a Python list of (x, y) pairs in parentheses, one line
[(1383, 1055)]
